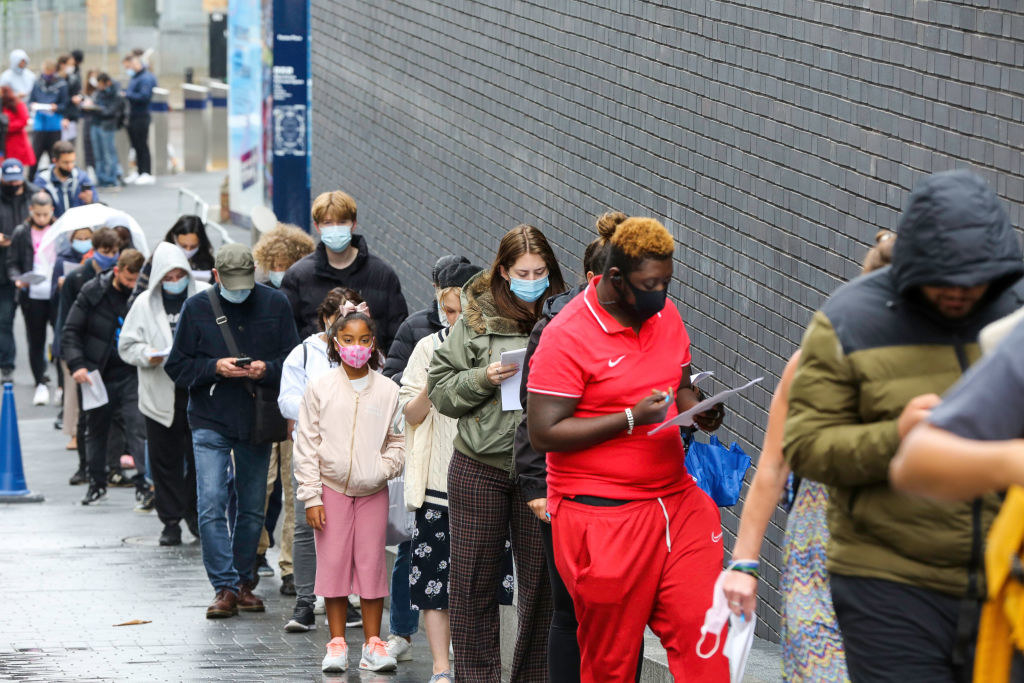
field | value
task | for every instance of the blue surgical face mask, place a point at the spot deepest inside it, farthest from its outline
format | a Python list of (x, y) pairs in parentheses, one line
[(528, 290), (336, 237), (81, 246), (276, 277), (176, 287), (130, 72), (105, 262), (234, 296)]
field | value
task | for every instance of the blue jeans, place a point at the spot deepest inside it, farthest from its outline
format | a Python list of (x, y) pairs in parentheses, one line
[(404, 620), (229, 557), (105, 152), (7, 307)]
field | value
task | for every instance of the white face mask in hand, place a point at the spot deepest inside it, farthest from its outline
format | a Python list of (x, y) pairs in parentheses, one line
[(741, 632)]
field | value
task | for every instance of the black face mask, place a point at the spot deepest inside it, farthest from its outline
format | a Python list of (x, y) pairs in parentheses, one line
[(9, 190), (647, 304)]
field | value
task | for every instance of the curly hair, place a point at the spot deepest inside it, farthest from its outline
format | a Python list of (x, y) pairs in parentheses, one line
[(633, 240), (284, 244), (339, 325)]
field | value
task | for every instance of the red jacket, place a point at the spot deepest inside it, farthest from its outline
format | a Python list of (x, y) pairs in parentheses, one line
[(17, 144)]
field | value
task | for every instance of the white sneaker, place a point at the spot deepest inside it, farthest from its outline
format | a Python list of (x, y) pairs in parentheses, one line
[(399, 648), (376, 658), (42, 396), (145, 179), (336, 659), (319, 607), (130, 179)]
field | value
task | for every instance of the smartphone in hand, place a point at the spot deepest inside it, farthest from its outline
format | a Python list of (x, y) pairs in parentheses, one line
[(245, 361)]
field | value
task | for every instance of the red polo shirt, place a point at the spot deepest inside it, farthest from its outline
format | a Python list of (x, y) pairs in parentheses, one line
[(586, 355)]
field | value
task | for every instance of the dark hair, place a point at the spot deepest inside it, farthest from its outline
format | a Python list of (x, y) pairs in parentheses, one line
[(105, 238), (332, 304), (8, 100), (595, 257), (442, 263), (879, 255), (79, 56), (60, 148), (189, 224), (63, 59), (523, 239), (130, 261), (339, 325), (124, 236), (104, 77)]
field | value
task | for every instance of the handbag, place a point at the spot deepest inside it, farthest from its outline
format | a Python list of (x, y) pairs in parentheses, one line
[(717, 470), (268, 426)]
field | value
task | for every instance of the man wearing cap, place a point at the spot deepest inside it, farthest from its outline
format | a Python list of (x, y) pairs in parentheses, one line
[(15, 193), (221, 414), (69, 185)]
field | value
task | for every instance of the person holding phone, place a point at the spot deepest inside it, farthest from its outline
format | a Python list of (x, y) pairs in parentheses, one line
[(626, 518), (145, 341)]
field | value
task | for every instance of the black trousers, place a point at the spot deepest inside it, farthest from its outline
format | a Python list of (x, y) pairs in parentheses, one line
[(38, 314), (123, 394), (43, 141), (899, 633), (173, 464), (138, 135)]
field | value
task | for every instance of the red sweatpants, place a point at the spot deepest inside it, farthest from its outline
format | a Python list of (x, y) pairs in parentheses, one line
[(621, 575)]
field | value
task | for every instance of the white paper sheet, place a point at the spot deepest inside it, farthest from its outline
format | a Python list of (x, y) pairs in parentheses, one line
[(159, 353), (204, 275), (31, 278), (94, 395), (510, 387), (737, 645), (699, 376), (685, 419)]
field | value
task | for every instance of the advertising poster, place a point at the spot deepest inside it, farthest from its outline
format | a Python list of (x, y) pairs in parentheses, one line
[(245, 108), (290, 89)]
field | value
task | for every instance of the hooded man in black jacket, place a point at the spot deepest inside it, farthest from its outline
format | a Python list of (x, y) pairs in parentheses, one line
[(15, 193), (89, 343), (342, 259)]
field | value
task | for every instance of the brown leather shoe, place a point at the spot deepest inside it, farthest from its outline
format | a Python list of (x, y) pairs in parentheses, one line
[(225, 604), (247, 602)]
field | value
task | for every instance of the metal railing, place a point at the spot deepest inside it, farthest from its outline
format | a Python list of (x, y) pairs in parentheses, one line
[(201, 207)]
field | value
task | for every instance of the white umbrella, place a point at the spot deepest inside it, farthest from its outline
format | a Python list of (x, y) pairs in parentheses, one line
[(87, 216)]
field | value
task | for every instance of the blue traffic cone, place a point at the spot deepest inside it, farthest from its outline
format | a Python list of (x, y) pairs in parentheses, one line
[(12, 477)]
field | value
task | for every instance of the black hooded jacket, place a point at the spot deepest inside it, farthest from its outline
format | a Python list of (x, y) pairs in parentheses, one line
[(416, 327), (307, 282), (531, 466)]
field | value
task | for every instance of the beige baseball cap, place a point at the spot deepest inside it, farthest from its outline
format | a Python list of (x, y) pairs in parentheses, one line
[(235, 266)]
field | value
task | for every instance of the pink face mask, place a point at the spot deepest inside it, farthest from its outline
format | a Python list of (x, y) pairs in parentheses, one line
[(355, 356)]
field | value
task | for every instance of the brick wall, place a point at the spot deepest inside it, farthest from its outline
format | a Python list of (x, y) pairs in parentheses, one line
[(773, 138)]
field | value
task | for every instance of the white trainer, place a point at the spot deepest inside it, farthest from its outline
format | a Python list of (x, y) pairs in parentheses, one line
[(319, 607), (42, 395), (131, 178), (399, 648), (145, 179), (376, 658), (336, 659)]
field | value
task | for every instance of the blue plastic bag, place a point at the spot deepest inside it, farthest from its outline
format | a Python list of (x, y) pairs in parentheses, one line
[(718, 470)]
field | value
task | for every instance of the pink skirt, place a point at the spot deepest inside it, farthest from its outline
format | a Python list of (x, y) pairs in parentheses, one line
[(350, 549)]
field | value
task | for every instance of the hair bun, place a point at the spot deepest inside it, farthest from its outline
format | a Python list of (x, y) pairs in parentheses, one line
[(608, 222)]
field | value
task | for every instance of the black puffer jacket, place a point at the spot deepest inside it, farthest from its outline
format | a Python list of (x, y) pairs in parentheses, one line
[(67, 293), (13, 212), (307, 282), (90, 328), (416, 327), (531, 466), (20, 258)]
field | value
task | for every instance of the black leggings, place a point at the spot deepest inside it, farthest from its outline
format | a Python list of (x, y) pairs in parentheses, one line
[(563, 648), (38, 313), (43, 141)]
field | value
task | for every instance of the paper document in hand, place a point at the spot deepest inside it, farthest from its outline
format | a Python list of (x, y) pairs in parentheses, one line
[(510, 387), (31, 278), (94, 395), (159, 353), (685, 419), (699, 376)]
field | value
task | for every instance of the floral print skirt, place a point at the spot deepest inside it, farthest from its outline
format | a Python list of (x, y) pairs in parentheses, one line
[(430, 558)]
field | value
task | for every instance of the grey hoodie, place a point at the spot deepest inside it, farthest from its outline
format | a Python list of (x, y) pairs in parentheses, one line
[(146, 329), (20, 79)]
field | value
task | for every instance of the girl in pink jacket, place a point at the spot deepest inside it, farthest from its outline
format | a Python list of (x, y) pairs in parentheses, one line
[(349, 444)]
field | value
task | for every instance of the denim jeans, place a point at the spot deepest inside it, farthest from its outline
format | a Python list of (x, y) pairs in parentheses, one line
[(105, 151), (229, 557), (7, 308), (303, 553), (405, 620)]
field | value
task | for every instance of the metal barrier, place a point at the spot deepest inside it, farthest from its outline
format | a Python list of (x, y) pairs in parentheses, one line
[(218, 125), (197, 128), (200, 207), (158, 111)]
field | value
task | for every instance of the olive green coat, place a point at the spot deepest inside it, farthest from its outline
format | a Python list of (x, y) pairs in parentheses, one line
[(457, 382)]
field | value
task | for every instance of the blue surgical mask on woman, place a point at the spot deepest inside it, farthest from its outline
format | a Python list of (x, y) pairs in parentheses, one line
[(103, 261), (234, 296), (528, 290), (336, 237), (176, 287), (81, 246), (276, 277)]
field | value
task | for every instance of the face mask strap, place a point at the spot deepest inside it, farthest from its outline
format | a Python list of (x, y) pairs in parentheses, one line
[(703, 635)]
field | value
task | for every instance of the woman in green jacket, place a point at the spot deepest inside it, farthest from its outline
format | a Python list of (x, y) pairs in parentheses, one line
[(499, 308)]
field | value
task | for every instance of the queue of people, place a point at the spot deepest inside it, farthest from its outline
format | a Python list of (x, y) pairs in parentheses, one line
[(291, 376)]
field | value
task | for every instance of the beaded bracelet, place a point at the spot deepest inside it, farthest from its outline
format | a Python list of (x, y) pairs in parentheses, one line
[(749, 567)]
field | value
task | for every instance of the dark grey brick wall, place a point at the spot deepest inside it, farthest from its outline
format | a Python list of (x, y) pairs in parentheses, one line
[(773, 138)]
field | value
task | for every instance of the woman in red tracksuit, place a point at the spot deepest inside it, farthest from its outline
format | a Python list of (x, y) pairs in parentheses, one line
[(635, 540)]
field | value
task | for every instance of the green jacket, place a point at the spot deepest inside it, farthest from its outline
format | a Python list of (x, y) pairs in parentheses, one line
[(875, 345), (457, 382)]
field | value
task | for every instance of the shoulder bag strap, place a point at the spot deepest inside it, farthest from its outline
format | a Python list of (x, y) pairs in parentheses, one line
[(222, 325)]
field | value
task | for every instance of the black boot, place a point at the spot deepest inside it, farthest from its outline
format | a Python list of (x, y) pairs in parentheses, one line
[(171, 535)]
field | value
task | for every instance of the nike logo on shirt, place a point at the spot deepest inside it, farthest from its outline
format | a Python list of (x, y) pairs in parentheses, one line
[(715, 538), (613, 363)]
